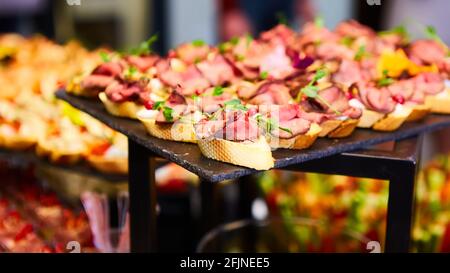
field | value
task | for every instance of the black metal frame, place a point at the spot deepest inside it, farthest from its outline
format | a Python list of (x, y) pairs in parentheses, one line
[(398, 166)]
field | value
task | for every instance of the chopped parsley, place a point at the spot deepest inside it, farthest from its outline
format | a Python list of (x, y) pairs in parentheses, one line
[(130, 72), (198, 43), (312, 91), (145, 47), (234, 40), (235, 104), (218, 90), (167, 112), (347, 41), (264, 75), (106, 57), (431, 33), (386, 80), (399, 30), (248, 39), (319, 22), (360, 53), (158, 105), (269, 124)]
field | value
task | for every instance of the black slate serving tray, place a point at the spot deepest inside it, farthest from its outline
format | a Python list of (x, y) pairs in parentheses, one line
[(190, 157)]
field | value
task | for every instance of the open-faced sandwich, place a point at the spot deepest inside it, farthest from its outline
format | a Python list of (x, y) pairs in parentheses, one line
[(232, 135), (19, 130), (63, 142), (172, 119)]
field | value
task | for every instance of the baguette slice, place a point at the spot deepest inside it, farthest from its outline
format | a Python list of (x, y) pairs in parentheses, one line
[(59, 156), (16, 142), (299, 142), (345, 129), (418, 112), (369, 118), (114, 165), (74, 87), (393, 120), (329, 126), (439, 103), (256, 155), (178, 131), (126, 109)]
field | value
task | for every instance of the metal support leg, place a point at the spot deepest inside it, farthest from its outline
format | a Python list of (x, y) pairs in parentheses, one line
[(142, 191), (209, 209), (400, 207)]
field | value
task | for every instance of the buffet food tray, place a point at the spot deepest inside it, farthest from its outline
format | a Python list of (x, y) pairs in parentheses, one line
[(190, 157)]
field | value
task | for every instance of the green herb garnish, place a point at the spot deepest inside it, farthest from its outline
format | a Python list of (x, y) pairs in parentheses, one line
[(145, 47), (431, 33), (167, 112), (399, 30), (319, 21), (240, 58), (347, 41), (312, 91), (130, 72), (198, 43), (106, 57), (263, 75), (222, 47), (158, 105), (270, 124), (386, 80), (234, 40), (360, 53), (218, 90), (235, 104), (248, 39)]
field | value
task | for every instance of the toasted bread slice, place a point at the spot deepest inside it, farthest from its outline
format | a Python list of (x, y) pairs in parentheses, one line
[(439, 103), (57, 154), (16, 142), (299, 142), (256, 155), (345, 129), (114, 165), (125, 109), (369, 118), (329, 126), (74, 87), (418, 112), (394, 120), (177, 131)]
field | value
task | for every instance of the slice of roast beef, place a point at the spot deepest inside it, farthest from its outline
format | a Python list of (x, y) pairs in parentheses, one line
[(96, 83), (349, 73), (143, 63), (427, 52), (217, 71), (123, 91), (429, 83), (189, 81), (352, 28), (276, 63), (191, 53), (112, 69), (377, 99), (272, 92)]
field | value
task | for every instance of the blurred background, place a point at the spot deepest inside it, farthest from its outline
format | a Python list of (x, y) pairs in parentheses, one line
[(121, 24), (354, 204)]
